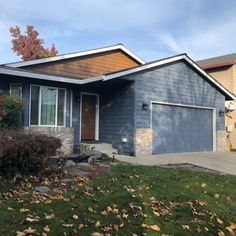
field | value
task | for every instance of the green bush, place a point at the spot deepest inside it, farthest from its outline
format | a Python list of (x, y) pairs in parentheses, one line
[(25, 153), (10, 112)]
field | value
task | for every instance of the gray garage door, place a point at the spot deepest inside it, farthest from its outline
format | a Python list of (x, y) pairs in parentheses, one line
[(181, 129)]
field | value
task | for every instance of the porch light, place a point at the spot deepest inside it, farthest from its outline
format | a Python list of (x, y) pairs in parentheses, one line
[(221, 113), (145, 106)]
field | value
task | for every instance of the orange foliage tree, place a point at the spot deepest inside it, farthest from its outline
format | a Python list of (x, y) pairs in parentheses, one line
[(30, 46)]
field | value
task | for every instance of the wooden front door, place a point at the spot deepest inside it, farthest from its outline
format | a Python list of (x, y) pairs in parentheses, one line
[(88, 122)]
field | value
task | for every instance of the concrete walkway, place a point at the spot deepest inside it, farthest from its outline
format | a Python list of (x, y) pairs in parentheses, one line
[(218, 161)]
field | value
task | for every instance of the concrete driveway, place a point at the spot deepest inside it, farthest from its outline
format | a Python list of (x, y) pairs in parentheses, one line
[(218, 161)]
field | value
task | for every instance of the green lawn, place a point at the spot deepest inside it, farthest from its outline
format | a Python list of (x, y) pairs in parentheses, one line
[(130, 200)]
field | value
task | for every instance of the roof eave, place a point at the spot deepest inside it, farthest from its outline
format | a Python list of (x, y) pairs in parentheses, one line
[(78, 54)]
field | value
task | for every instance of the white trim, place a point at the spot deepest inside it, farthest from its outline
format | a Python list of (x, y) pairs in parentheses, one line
[(71, 108), (39, 106), (77, 54), (190, 106), (166, 61), (35, 75), (97, 113), (19, 84)]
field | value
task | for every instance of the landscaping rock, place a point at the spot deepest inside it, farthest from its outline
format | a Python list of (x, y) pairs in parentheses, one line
[(77, 172), (92, 159), (42, 189), (66, 180), (70, 163)]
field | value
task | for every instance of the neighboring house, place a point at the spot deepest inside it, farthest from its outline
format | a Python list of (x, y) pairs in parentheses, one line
[(223, 69), (113, 96)]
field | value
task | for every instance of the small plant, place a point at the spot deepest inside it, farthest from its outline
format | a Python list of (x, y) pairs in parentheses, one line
[(10, 112), (25, 153)]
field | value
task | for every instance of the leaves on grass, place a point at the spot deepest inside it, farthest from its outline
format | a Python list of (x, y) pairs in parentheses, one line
[(49, 217), (32, 220), (46, 229), (185, 227), (152, 227)]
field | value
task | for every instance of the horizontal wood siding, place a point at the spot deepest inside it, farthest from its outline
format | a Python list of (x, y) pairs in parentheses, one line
[(87, 66)]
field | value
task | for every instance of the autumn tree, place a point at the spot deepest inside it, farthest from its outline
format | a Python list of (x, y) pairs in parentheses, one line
[(30, 46)]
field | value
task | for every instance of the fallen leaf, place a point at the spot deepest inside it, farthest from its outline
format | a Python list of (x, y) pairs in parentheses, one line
[(153, 227), (104, 213), (201, 203), (81, 226), (96, 234), (130, 190), (156, 213), (185, 227), (219, 221), (10, 209), (232, 226), (217, 195), (221, 233), (68, 225), (97, 224), (32, 220), (125, 216), (46, 229), (75, 217), (90, 209), (24, 210), (29, 231), (49, 217), (18, 233)]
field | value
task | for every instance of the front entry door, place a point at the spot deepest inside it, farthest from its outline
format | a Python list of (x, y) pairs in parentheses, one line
[(88, 119)]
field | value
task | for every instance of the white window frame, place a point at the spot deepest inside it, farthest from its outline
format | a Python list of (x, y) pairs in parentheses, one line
[(20, 85), (39, 106)]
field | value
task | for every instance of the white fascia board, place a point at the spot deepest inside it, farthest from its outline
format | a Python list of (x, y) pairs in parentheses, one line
[(209, 77), (78, 54)]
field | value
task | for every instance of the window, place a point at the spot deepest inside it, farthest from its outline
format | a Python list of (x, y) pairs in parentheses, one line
[(16, 90), (47, 107)]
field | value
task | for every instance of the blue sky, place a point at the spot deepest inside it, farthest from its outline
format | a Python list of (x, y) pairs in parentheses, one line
[(152, 29)]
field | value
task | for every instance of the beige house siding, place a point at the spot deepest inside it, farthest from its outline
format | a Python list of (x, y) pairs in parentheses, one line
[(224, 75), (227, 77)]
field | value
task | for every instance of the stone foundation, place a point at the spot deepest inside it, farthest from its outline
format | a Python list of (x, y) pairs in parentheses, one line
[(65, 134), (143, 141), (221, 145)]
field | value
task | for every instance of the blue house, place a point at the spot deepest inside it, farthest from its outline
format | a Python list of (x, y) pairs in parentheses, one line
[(111, 95)]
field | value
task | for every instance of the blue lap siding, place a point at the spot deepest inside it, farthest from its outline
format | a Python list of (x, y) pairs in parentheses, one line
[(117, 117)]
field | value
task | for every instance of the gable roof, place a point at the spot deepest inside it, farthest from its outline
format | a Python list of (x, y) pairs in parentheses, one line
[(168, 60), (110, 76), (78, 54), (225, 60)]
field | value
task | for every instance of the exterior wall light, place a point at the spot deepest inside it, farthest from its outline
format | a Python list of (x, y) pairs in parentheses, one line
[(145, 106), (221, 113)]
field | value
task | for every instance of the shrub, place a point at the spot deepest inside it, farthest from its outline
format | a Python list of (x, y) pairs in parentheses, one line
[(10, 112), (25, 153)]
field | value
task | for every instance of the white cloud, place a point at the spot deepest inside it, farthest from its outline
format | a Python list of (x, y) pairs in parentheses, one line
[(153, 28)]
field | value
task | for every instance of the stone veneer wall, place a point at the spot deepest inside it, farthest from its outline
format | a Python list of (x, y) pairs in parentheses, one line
[(65, 134), (143, 141), (221, 141)]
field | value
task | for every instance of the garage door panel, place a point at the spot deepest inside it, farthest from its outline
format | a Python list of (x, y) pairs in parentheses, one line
[(181, 129)]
